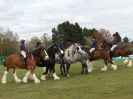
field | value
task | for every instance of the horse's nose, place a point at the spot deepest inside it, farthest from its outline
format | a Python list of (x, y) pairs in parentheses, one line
[(46, 58)]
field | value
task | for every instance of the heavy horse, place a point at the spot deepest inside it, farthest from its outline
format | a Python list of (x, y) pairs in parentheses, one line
[(123, 51), (16, 61), (100, 54)]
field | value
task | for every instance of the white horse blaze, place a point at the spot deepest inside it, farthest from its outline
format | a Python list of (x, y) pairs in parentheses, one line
[(46, 57), (4, 77)]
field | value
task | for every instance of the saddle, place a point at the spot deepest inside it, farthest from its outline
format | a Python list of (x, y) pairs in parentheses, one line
[(91, 54)]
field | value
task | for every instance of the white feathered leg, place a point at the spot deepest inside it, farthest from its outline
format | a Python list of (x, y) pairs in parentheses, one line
[(36, 80), (104, 68), (26, 77), (130, 64), (4, 77), (114, 67), (89, 66), (17, 80), (43, 77), (55, 76)]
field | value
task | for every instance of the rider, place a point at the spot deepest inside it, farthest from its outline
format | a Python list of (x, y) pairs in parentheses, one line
[(114, 42), (23, 50), (93, 45), (62, 47)]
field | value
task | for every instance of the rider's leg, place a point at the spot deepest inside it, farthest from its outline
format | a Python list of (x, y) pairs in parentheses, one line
[(113, 47), (91, 50), (24, 55)]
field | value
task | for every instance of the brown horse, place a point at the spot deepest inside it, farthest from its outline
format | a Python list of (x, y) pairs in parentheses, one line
[(15, 61), (119, 51), (100, 54)]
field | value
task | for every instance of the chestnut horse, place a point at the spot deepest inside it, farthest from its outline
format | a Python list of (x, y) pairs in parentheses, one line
[(15, 61), (123, 51), (99, 54)]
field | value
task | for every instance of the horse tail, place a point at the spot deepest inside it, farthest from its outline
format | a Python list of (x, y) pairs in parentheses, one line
[(130, 52), (4, 63)]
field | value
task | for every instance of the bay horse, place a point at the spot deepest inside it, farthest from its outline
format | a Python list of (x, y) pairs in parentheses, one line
[(15, 61), (123, 51), (74, 54), (100, 54)]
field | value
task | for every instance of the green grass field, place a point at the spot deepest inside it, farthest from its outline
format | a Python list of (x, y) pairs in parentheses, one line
[(96, 85)]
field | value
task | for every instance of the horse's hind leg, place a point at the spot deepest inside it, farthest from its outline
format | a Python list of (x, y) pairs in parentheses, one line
[(4, 76), (83, 68), (64, 69), (17, 80), (113, 65), (129, 61), (67, 67), (61, 71), (105, 67)]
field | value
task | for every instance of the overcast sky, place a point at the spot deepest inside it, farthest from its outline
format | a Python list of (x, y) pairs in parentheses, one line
[(30, 18)]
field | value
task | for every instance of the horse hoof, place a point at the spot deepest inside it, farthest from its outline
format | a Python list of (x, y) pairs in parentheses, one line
[(68, 75), (114, 67), (103, 69), (18, 81), (57, 78), (37, 82), (43, 77), (24, 81), (3, 82)]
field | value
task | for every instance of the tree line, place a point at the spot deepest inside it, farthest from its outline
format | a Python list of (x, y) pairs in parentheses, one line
[(10, 42)]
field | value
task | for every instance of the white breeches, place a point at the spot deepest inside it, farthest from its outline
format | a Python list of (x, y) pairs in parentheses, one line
[(61, 51), (113, 47), (23, 53), (92, 49)]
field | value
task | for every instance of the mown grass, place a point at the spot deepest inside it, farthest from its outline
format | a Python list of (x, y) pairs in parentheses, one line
[(96, 85)]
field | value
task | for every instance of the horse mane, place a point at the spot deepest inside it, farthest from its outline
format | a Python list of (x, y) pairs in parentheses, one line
[(85, 48), (35, 52)]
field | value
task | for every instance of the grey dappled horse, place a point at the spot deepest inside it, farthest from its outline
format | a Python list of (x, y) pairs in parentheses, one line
[(74, 54)]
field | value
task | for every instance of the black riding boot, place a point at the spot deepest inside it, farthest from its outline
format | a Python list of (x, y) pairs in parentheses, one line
[(111, 53), (25, 64)]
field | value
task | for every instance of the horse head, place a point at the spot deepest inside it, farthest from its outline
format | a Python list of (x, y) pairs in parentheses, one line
[(78, 48), (40, 53), (75, 48)]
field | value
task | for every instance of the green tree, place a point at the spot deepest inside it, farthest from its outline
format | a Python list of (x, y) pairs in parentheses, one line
[(125, 39), (32, 43), (9, 43), (69, 31), (46, 40), (89, 32)]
